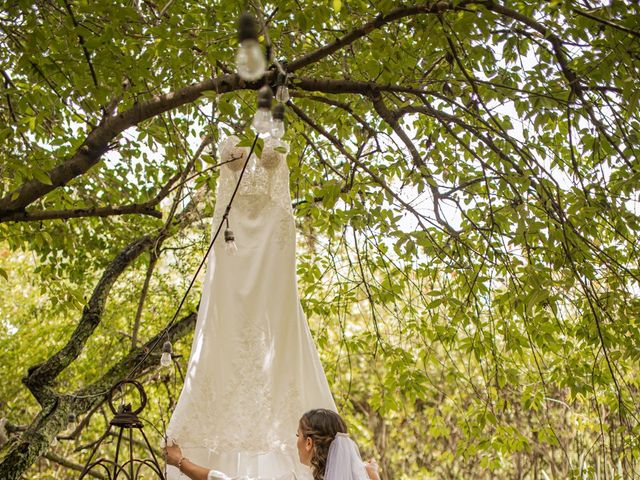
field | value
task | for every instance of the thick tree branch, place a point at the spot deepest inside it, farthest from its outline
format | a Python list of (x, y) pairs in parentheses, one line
[(75, 434), (146, 208), (38, 215), (35, 441), (99, 139), (381, 20), (42, 376), (344, 86)]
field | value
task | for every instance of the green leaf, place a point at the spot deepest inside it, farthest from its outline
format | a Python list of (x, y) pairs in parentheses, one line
[(41, 176), (210, 94), (208, 159)]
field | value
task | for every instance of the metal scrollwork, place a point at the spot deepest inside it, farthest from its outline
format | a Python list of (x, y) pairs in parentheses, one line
[(125, 420)]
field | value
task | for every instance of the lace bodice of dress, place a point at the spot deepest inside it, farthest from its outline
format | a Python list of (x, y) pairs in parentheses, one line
[(265, 180)]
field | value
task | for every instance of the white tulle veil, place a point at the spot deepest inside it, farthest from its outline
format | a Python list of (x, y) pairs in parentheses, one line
[(344, 461)]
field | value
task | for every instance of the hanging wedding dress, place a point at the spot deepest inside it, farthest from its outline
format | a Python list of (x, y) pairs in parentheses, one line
[(253, 368)]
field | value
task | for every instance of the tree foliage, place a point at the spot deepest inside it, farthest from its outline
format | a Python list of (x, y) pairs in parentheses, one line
[(465, 182)]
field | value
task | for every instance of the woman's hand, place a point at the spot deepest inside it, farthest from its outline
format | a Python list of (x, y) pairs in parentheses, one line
[(372, 469), (173, 454)]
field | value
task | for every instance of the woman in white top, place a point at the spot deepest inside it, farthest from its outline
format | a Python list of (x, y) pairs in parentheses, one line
[(323, 445)]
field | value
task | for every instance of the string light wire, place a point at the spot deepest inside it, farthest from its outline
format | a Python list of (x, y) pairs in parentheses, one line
[(225, 218)]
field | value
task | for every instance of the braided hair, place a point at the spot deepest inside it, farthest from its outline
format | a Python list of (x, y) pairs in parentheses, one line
[(321, 425)]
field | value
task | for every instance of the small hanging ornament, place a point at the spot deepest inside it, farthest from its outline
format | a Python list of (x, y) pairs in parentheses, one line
[(262, 119), (250, 61), (277, 125), (165, 359), (230, 246)]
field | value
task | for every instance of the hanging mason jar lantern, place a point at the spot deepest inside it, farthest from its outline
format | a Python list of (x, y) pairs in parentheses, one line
[(125, 421)]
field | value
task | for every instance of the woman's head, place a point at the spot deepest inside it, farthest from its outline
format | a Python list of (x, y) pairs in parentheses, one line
[(316, 431)]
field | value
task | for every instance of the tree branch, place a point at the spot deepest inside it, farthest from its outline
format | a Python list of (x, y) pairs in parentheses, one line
[(70, 465), (606, 22), (392, 120), (35, 441), (377, 179), (153, 258), (98, 140), (343, 106), (354, 86), (552, 38), (41, 377), (574, 82), (8, 83), (38, 215), (378, 22), (87, 56), (146, 208)]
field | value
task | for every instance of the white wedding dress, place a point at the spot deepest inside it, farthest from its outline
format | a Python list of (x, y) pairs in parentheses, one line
[(253, 369)]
